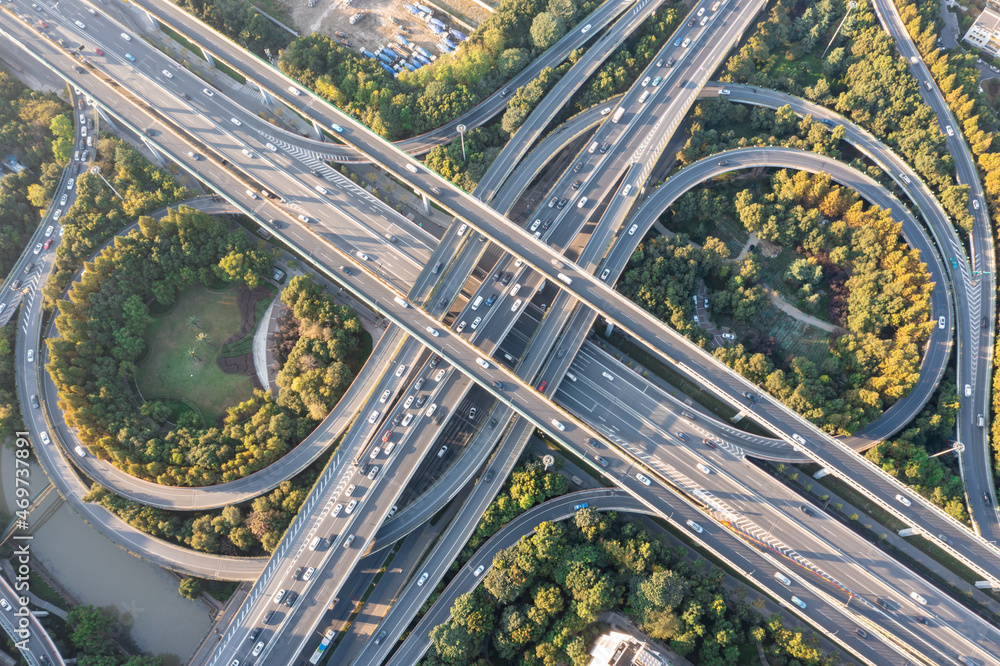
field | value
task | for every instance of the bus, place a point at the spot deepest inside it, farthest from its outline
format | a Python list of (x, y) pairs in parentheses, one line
[(323, 645), (618, 114)]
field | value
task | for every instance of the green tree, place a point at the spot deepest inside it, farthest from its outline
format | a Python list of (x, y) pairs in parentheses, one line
[(547, 29), (192, 587)]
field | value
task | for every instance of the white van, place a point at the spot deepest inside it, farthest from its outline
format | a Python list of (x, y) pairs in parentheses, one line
[(644, 97), (315, 543), (402, 303), (593, 147), (570, 376), (476, 303)]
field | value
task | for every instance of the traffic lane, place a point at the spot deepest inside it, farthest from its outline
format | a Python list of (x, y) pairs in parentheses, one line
[(842, 554), (563, 508), (564, 89), (365, 210), (504, 313), (347, 531), (849, 549)]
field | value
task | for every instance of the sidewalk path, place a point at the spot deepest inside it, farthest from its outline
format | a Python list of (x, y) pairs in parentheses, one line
[(795, 313)]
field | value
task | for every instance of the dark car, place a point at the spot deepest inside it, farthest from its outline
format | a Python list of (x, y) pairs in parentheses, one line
[(421, 400), (493, 424), (576, 184), (254, 634), (267, 616), (601, 461), (749, 396), (690, 23), (491, 300), (505, 92), (443, 302), (921, 619), (507, 277), (434, 362), (861, 632), (605, 147), (671, 62), (81, 70), (489, 476), (290, 599), (709, 443), (578, 167), (34, 401), (562, 203), (986, 499), (498, 385), (682, 435), (381, 637), (76, 168), (806, 510), (298, 573), (14, 285), (547, 223)]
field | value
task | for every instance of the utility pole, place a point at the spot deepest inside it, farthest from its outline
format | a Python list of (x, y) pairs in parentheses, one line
[(461, 130)]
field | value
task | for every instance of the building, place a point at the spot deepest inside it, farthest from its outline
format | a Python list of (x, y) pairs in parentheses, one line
[(985, 32), (617, 648)]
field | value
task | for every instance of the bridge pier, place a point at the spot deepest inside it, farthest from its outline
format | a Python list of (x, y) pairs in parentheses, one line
[(908, 531), (208, 58), (107, 118), (427, 203), (319, 129), (266, 95), (157, 155)]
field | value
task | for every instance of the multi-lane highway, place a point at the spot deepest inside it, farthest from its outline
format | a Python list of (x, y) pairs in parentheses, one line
[(978, 314), (459, 350)]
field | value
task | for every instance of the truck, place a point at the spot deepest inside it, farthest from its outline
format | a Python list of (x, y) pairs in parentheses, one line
[(618, 114), (402, 40), (424, 52), (440, 24), (425, 9), (445, 40), (422, 59), (384, 58), (410, 8), (388, 69), (438, 30), (457, 35), (368, 54)]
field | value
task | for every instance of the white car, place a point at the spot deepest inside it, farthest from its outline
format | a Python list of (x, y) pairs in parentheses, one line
[(408, 402), (31, 356), (430, 410), (361, 255), (385, 395), (782, 578), (516, 288), (294, 90), (798, 602), (728, 336), (460, 327), (70, 183), (941, 322), (462, 229), (433, 331), (278, 596), (645, 81), (350, 507), (950, 131), (918, 598), (585, 29), (308, 574), (406, 420), (208, 92), (321, 189), (337, 509), (704, 468), (695, 526), (475, 322), (411, 168), (374, 454), (6, 605), (479, 570), (235, 121), (440, 375), (168, 74), (558, 425), (38, 248), (80, 452), (270, 146), (516, 305), (423, 579), (337, 128), (373, 472), (249, 153), (643, 478), (632, 229), (483, 362), (903, 500), (400, 370), (605, 273), (372, 418), (724, 91), (975, 204), (126, 37), (48, 230)]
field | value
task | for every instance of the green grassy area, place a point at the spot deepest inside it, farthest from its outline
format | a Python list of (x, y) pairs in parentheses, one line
[(877, 513), (221, 590), (245, 344), (806, 70), (170, 372), (182, 40), (229, 71)]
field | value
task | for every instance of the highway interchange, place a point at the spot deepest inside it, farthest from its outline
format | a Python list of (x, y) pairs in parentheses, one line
[(374, 228)]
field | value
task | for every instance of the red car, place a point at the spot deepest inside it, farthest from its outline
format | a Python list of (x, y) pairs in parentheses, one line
[(386, 436), (99, 51), (541, 387), (47, 245)]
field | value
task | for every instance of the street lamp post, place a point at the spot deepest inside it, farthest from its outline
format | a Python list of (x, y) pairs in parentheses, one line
[(96, 170), (461, 132)]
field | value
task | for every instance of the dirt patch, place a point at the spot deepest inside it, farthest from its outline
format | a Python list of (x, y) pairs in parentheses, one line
[(375, 26), (246, 301)]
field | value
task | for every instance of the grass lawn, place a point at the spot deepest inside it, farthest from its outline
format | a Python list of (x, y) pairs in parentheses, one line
[(169, 372)]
